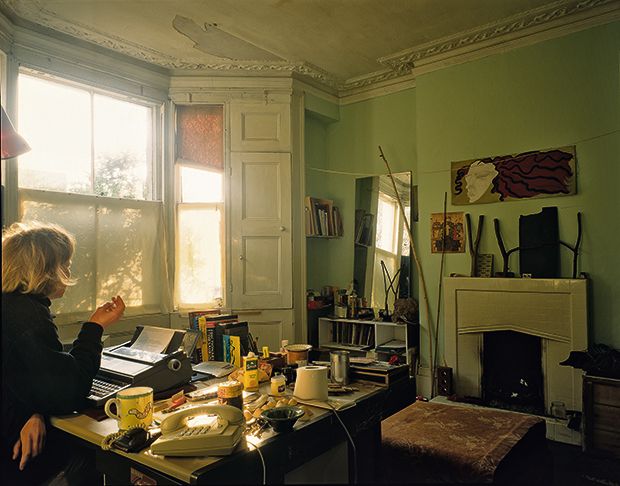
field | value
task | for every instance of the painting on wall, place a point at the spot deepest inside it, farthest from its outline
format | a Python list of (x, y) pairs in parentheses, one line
[(540, 173), (454, 233)]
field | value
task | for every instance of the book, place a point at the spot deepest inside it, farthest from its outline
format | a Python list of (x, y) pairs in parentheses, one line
[(207, 324), (234, 328), (193, 324), (232, 349)]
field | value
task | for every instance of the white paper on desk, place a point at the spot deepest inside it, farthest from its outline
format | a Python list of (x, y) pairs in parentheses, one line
[(153, 339)]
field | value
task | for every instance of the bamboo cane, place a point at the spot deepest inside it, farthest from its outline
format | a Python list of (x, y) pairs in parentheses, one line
[(417, 264)]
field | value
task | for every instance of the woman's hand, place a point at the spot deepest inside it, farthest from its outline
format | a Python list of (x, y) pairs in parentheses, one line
[(31, 440), (109, 313)]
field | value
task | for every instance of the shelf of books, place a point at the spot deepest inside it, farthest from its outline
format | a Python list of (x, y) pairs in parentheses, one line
[(383, 339), (323, 219)]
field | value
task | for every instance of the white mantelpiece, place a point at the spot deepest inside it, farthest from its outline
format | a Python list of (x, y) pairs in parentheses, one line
[(553, 309)]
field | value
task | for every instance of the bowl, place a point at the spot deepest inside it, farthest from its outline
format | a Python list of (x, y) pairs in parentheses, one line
[(282, 419), (297, 352)]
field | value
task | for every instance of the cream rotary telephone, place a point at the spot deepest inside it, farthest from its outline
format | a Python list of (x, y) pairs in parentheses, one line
[(204, 430)]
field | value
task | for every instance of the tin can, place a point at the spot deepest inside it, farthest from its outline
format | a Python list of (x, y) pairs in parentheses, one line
[(230, 393)]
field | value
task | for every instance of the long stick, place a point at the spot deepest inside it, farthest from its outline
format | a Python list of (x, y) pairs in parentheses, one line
[(443, 257), (417, 263)]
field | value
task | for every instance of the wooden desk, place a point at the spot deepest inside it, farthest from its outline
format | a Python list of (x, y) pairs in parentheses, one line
[(282, 453)]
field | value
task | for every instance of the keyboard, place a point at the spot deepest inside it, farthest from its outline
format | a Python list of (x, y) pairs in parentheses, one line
[(102, 390)]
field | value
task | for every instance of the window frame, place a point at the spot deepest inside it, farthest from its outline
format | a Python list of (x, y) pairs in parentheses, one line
[(154, 172), (222, 206)]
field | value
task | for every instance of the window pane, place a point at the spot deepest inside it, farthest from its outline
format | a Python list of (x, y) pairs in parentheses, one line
[(199, 250), (200, 135), (386, 218), (405, 249), (55, 120), (121, 147), (201, 185)]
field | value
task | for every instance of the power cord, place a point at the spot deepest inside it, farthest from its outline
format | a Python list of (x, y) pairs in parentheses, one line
[(350, 441), (262, 460)]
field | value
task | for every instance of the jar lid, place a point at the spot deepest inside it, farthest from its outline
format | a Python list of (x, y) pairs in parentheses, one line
[(277, 378), (229, 389)]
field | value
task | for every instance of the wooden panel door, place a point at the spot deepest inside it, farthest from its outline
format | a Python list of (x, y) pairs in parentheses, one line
[(261, 253)]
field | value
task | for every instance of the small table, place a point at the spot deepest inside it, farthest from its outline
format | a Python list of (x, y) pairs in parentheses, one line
[(282, 453)]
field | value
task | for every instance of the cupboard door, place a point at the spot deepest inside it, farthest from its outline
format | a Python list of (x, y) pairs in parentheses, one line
[(260, 127), (269, 327), (261, 253)]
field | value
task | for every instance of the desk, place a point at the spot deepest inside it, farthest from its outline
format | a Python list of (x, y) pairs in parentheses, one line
[(282, 453)]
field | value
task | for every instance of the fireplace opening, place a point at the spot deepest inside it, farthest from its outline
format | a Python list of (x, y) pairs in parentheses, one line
[(512, 376)]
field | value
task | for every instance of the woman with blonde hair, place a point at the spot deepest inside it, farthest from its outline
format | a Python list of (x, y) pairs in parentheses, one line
[(38, 378)]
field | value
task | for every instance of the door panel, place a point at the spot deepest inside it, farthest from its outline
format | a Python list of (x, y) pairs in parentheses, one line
[(269, 326), (261, 256), (262, 276), (260, 127)]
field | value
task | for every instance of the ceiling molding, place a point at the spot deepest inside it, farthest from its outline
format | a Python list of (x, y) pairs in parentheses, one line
[(559, 18), (503, 31)]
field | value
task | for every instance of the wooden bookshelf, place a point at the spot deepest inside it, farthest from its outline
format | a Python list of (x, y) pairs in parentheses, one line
[(323, 219), (361, 337)]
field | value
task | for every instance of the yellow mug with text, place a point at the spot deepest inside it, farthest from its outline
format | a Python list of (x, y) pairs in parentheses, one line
[(134, 407)]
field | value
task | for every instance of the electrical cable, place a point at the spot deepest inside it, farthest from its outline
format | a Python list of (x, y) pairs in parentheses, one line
[(262, 460), (350, 441)]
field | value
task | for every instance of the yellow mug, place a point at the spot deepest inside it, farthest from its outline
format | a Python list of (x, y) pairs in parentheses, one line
[(134, 407)]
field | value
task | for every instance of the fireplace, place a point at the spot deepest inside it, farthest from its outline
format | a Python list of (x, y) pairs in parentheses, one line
[(550, 311), (512, 376)]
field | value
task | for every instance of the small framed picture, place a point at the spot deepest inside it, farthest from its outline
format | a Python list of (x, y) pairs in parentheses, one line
[(452, 237)]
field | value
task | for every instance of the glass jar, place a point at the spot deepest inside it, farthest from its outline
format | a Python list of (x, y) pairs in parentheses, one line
[(278, 385), (230, 393)]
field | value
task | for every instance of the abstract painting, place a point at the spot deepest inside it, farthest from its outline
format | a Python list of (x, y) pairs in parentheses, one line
[(540, 173)]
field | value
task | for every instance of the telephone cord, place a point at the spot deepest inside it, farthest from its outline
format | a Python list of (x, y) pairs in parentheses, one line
[(262, 460), (106, 442), (353, 448)]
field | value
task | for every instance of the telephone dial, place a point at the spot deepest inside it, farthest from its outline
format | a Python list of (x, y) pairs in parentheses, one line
[(204, 430)]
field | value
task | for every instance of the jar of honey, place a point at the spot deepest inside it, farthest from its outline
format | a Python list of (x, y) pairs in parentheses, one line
[(230, 393)]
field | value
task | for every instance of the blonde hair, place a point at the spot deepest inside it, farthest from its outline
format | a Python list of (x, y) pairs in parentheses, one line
[(36, 258)]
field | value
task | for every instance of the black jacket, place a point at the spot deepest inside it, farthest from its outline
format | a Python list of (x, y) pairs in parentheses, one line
[(37, 376)]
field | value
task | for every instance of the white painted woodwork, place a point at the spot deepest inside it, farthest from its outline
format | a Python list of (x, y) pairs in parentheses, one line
[(269, 326), (260, 127), (261, 251), (553, 309)]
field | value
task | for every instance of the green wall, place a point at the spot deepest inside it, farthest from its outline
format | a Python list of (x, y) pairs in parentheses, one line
[(560, 92), (347, 149)]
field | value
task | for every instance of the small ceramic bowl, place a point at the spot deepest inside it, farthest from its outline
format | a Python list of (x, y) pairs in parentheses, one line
[(282, 419)]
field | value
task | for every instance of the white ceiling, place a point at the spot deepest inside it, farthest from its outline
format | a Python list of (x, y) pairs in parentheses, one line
[(338, 42)]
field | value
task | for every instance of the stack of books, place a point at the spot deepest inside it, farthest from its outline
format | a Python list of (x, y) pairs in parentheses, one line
[(216, 330)]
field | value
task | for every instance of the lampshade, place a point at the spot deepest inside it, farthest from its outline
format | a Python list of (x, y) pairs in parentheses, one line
[(12, 143)]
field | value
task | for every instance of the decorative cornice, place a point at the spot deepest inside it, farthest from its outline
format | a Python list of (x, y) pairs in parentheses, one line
[(405, 60), (400, 65), (35, 11)]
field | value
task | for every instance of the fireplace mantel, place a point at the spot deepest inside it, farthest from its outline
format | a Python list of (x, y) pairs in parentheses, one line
[(553, 309)]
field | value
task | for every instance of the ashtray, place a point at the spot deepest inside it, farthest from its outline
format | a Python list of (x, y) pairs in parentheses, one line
[(282, 419)]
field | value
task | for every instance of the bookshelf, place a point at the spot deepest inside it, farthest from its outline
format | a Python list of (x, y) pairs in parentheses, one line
[(323, 219), (361, 337)]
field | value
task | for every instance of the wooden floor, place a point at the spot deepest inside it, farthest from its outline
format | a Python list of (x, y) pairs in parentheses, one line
[(574, 468)]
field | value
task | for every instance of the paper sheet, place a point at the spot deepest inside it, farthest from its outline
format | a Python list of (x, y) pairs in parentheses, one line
[(153, 339)]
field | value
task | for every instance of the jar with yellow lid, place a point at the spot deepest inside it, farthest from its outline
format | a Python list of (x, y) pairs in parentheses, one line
[(230, 393)]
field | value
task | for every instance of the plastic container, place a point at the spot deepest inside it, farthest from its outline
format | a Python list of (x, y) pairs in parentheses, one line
[(278, 385)]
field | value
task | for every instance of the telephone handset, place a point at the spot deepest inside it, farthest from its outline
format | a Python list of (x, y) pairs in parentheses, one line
[(204, 430)]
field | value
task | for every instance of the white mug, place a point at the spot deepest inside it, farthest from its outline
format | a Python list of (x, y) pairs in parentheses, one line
[(134, 407)]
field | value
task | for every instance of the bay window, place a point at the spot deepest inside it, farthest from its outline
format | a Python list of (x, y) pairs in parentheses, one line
[(92, 170)]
